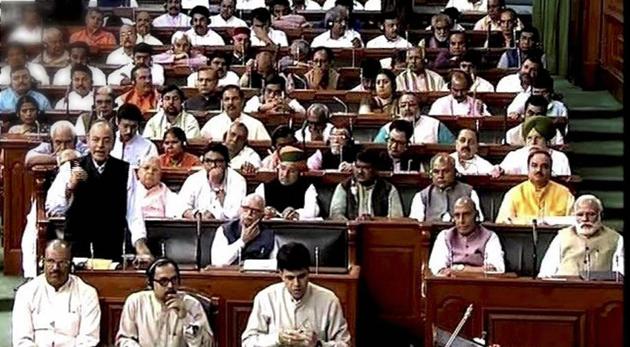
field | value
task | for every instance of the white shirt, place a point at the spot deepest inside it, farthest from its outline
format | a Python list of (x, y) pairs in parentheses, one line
[(250, 4), (309, 211), (133, 151), (76, 102), (246, 155), (553, 257), (233, 22), (62, 76), (211, 38), (515, 137), (278, 37), (37, 71), (148, 39), (418, 208), (515, 162), (325, 40), (384, 42), (331, 3), (307, 133), (448, 106), (24, 35), (197, 194), (188, 4), (230, 78), (439, 258), (372, 5), (467, 6), (254, 103), (132, 3), (480, 85), (119, 57), (173, 206), (314, 6), (477, 166), (510, 84), (56, 200), (166, 20), (45, 317), (216, 126), (158, 124), (157, 74), (223, 253), (555, 109)]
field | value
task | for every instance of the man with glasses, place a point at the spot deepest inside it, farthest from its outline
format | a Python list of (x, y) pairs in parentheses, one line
[(316, 126), (226, 17), (274, 100), (123, 55), (322, 76), (163, 315), (398, 140), (56, 308), (416, 78), (103, 109), (244, 238), (339, 155), (338, 35), (215, 191)]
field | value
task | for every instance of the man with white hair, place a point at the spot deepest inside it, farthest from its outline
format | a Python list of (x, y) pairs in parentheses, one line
[(158, 200), (338, 35), (244, 235), (54, 52), (587, 245)]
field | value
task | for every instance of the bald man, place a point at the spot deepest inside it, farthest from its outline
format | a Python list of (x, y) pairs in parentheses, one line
[(158, 200), (244, 238), (54, 52), (458, 102), (416, 78), (466, 247), (124, 54), (97, 195), (143, 30)]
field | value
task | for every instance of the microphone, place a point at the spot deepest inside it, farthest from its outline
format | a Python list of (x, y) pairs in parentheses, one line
[(316, 260), (345, 106), (198, 216), (459, 327), (67, 99), (534, 246), (353, 49), (301, 80)]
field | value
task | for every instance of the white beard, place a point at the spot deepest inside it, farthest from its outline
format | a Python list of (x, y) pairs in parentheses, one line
[(583, 229)]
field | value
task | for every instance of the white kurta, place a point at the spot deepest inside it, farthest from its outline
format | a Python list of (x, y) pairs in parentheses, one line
[(197, 194), (510, 84), (515, 162), (133, 151), (480, 85), (119, 57), (26, 36), (553, 257), (148, 39), (417, 206), (275, 310), (233, 22), (158, 125), (477, 166), (307, 133), (145, 322), (223, 253), (250, 4), (37, 71), (76, 102), (555, 109), (231, 78), (116, 76), (45, 317), (62, 76), (325, 40), (246, 155), (254, 103), (440, 256), (277, 36), (211, 38), (384, 42), (309, 211), (215, 127), (448, 106), (467, 6), (166, 20)]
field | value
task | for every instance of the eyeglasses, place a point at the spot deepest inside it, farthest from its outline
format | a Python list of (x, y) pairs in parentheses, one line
[(165, 281), (213, 161), (61, 264)]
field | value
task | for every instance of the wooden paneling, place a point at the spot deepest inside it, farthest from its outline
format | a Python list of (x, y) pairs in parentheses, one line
[(612, 46)]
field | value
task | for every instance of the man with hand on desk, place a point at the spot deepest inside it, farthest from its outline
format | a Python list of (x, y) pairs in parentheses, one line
[(296, 312), (289, 195), (340, 153), (56, 308), (162, 315), (365, 195), (437, 201), (468, 246), (113, 181), (244, 237), (587, 241)]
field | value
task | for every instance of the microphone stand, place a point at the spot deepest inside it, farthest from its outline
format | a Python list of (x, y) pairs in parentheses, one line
[(535, 245), (459, 326), (198, 248)]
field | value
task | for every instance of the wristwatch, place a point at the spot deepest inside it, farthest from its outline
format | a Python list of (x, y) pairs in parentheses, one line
[(458, 267)]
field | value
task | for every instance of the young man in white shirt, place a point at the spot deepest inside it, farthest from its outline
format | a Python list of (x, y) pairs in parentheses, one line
[(129, 145), (226, 17), (338, 35), (520, 81), (390, 37), (80, 96), (262, 33), (79, 53), (142, 53), (200, 34), (173, 16)]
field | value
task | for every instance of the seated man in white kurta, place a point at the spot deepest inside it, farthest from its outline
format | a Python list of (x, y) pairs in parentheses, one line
[(467, 161), (295, 312), (158, 200), (215, 191), (80, 97)]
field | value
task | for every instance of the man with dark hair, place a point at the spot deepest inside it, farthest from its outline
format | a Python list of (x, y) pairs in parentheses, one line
[(520, 81), (200, 34), (274, 99), (21, 85), (93, 34), (56, 298), (436, 202), (218, 61), (216, 190), (143, 94), (226, 17), (16, 58), (129, 145), (276, 319), (163, 315), (370, 68), (79, 54), (493, 20), (457, 47), (322, 76), (398, 140), (281, 136), (390, 37), (541, 85), (467, 161), (458, 102), (263, 34), (232, 99), (365, 195), (97, 227), (527, 43), (142, 53), (103, 110), (536, 105), (173, 16), (208, 94), (171, 114), (241, 155), (80, 96), (469, 62)]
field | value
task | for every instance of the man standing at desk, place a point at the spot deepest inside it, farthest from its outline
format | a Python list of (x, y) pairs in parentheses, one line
[(467, 245), (296, 312), (586, 241)]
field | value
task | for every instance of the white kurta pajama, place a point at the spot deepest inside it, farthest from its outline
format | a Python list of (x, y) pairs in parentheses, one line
[(215, 127), (133, 151), (197, 194)]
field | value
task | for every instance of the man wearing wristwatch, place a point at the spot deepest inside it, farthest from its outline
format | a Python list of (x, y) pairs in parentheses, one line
[(466, 247)]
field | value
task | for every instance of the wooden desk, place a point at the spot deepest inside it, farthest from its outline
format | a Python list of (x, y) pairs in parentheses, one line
[(235, 289), (525, 312)]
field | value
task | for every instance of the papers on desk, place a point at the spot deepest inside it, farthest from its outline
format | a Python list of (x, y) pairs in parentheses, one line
[(557, 220), (94, 264), (260, 265)]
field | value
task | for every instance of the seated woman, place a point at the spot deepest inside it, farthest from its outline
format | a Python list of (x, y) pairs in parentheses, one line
[(175, 155), (180, 53), (158, 201), (386, 98), (27, 113)]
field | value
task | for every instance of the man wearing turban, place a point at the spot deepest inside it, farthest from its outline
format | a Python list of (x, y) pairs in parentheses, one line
[(536, 105)]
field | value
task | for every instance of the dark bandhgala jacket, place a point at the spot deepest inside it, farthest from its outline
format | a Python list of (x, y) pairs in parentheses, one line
[(259, 248)]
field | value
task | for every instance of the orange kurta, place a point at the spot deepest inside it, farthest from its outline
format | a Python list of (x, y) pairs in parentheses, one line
[(187, 162), (100, 38)]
